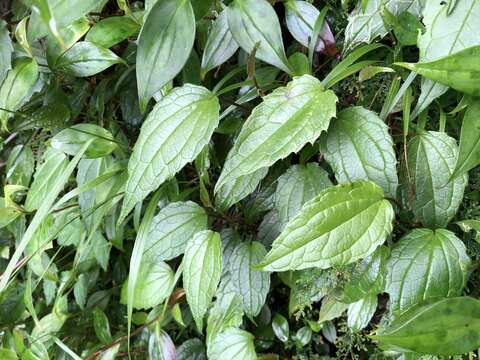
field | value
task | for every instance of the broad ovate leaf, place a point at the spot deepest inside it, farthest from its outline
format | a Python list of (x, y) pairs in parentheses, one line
[(359, 147), (299, 184), (220, 44), (86, 59), (164, 45), (53, 163), (202, 270), (342, 224), (300, 17), (255, 22), (232, 344), (283, 123), (16, 87), (71, 140), (447, 327), (425, 265), (431, 161), (153, 286), (250, 285), (174, 133), (171, 230), (469, 152)]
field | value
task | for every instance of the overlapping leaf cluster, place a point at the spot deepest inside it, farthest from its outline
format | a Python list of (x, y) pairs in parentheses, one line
[(192, 179)]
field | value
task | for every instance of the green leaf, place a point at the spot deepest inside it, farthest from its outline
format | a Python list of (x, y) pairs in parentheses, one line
[(460, 71), (364, 25), (283, 123), (331, 309), (171, 230), (101, 326), (446, 33), (202, 271), (431, 160), (255, 21), (11, 303), (48, 326), (7, 213), (280, 327), (20, 166), (178, 128), (426, 265), (232, 344), (62, 14), (112, 30), (6, 50), (250, 285), (447, 327), (69, 35), (299, 184), (164, 45), (344, 223), (361, 312), (300, 17), (359, 147), (368, 277), (220, 44), (52, 165), (86, 59), (223, 316), (16, 87), (192, 349), (72, 139), (7, 354), (469, 152), (153, 285)]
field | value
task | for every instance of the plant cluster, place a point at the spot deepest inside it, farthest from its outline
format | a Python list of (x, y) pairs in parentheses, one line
[(239, 179)]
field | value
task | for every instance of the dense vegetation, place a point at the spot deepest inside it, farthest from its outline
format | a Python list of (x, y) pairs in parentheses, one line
[(239, 179)]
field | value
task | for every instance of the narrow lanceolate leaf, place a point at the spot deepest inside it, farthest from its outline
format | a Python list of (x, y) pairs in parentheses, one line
[(361, 312), (70, 140), (250, 285), (299, 184), (460, 71), (16, 87), (469, 152), (174, 133), (426, 265), (431, 160), (87, 59), (300, 17), (53, 164), (112, 30), (232, 344), (6, 50), (202, 271), (59, 15), (255, 22), (447, 327), (342, 224), (359, 147), (164, 45), (171, 230), (153, 285), (220, 44), (283, 123)]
